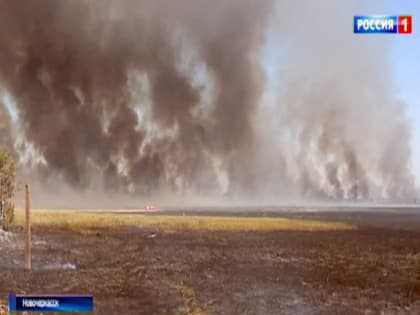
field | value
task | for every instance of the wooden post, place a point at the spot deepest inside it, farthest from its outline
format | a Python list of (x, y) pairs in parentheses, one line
[(28, 254)]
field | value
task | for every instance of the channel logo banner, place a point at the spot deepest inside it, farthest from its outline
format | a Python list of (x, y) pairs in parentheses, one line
[(375, 24), (50, 303)]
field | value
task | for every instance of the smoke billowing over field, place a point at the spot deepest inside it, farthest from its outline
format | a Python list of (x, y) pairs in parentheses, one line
[(169, 97)]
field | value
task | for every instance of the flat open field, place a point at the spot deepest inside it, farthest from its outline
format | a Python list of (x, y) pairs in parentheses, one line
[(333, 262)]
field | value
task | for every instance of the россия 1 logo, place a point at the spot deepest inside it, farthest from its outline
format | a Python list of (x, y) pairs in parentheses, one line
[(402, 24)]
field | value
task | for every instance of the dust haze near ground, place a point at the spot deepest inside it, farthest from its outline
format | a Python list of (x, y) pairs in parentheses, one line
[(162, 98)]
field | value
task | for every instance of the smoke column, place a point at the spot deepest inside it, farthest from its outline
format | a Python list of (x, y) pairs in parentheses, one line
[(341, 131), (155, 97)]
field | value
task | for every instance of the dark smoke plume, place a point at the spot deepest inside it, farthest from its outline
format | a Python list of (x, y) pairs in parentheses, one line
[(75, 69), (166, 97)]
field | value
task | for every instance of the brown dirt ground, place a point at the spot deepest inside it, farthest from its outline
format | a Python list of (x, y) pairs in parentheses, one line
[(146, 270)]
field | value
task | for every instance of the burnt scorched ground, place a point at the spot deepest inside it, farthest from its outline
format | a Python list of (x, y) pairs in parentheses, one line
[(151, 271)]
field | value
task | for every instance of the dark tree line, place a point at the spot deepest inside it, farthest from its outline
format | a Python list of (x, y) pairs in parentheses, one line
[(7, 187)]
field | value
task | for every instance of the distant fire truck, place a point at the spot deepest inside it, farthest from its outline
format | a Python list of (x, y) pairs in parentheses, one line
[(150, 207)]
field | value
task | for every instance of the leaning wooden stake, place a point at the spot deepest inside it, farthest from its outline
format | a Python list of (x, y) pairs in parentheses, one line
[(28, 254)]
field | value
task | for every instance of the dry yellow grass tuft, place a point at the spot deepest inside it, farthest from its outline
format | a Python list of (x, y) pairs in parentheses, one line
[(191, 304), (4, 310), (87, 221)]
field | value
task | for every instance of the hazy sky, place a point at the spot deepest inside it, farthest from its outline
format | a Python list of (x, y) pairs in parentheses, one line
[(406, 54)]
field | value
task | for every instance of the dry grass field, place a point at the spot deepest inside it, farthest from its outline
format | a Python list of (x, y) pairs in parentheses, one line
[(162, 264), (84, 221)]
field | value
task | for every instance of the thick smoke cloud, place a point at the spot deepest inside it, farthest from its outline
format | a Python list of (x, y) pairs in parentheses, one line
[(341, 131), (73, 69), (166, 97)]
